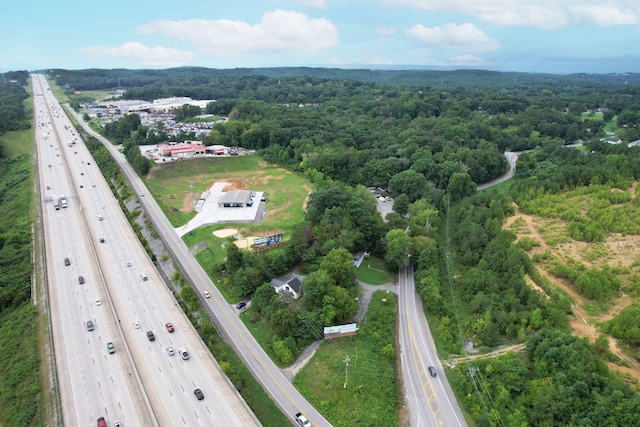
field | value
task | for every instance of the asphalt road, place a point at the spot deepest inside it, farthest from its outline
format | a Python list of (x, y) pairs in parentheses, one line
[(430, 398), (512, 158), (92, 383), (257, 361), (160, 386)]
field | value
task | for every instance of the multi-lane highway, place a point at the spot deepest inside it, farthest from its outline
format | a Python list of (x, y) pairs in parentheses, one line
[(92, 382), (429, 397), (142, 383)]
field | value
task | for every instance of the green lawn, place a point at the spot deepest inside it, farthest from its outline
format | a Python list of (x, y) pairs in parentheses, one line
[(374, 272), (175, 184)]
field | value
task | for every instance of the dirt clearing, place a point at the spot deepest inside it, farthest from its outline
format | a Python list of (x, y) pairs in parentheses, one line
[(616, 250)]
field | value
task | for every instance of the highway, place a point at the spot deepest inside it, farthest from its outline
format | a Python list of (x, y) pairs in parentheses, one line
[(124, 306), (258, 362), (430, 398), (92, 383)]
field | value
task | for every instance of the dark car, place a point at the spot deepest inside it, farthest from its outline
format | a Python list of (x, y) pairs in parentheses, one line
[(432, 371), (241, 305), (151, 336), (102, 240), (81, 280), (198, 394), (67, 262), (90, 326)]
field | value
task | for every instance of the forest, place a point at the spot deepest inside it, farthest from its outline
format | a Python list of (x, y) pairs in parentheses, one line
[(428, 139)]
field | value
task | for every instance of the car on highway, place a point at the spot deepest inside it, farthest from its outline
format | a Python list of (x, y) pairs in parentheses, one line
[(432, 371), (102, 240), (90, 326), (100, 217), (169, 327), (144, 276), (136, 324), (128, 263), (183, 353), (111, 348), (241, 305), (151, 336), (170, 351), (206, 294), (198, 394), (98, 302), (102, 422), (117, 424), (67, 262), (302, 420), (81, 280)]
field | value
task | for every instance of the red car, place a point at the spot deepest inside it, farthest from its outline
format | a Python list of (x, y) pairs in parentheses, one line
[(102, 422), (170, 327)]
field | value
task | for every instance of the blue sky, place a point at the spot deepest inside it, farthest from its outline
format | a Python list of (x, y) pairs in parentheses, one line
[(553, 36)]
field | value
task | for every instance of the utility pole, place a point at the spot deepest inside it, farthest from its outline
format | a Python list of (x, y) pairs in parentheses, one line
[(346, 371)]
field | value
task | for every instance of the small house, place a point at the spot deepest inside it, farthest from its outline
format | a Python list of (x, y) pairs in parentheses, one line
[(288, 285)]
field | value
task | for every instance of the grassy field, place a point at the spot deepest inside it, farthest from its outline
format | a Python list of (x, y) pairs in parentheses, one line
[(99, 94), (370, 395), (17, 143), (373, 271), (175, 185)]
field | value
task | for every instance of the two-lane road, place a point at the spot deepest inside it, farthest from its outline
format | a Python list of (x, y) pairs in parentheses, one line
[(430, 398)]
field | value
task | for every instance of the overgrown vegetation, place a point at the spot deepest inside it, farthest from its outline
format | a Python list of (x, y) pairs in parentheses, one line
[(370, 396), (20, 367), (561, 382)]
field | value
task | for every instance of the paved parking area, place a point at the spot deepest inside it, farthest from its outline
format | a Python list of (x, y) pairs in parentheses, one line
[(211, 213)]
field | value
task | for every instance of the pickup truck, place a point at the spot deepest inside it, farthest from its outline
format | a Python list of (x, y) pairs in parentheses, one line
[(302, 420)]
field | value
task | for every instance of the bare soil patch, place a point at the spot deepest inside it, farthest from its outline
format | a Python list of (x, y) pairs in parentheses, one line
[(225, 232), (618, 250)]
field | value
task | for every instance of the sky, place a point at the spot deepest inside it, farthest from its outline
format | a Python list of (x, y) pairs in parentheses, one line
[(549, 36)]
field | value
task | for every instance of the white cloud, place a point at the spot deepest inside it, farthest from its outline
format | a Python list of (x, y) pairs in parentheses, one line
[(464, 36), (546, 14), (145, 56), (385, 31), (320, 4), (605, 15), (278, 31)]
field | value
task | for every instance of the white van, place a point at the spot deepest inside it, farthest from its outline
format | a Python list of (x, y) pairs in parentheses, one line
[(144, 276)]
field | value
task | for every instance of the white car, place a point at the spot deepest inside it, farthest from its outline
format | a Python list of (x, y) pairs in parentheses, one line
[(302, 420), (136, 324), (183, 353), (170, 351), (98, 302), (206, 294)]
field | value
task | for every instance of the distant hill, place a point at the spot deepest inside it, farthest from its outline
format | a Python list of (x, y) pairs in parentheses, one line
[(95, 79)]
